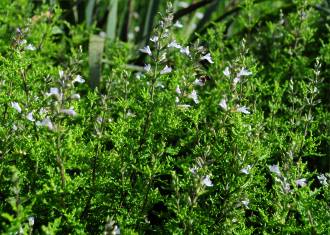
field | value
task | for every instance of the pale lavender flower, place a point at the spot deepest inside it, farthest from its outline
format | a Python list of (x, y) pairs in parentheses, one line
[(275, 169), (236, 80), (69, 112), (46, 123), (301, 182), (54, 91), (174, 44), (178, 24), (246, 170), (147, 68), (30, 47), (243, 109), (30, 117), (208, 58), (223, 104), (178, 90), (226, 72), (194, 97), (78, 79), (244, 72), (16, 106), (146, 50), (185, 50), (199, 82), (154, 39), (323, 179), (207, 181), (166, 70)]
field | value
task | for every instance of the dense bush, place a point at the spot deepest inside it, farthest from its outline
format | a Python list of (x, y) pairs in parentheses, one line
[(224, 133)]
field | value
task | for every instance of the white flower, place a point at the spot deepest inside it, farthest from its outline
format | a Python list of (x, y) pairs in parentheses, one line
[(61, 73), (31, 221), (166, 70), (246, 202), (236, 80), (226, 72), (69, 112), (46, 122), (223, 104), (183, 4), (199, 15), (116, 230), (275, 169), (246, 170), (178, 24), (30, 117), (301, 182), (30, 47), (75, 97), (78, 79), (244, 72), (194, 96), (193, 170), (146, 50), (207, 181), (154, 39), (199, 82), (243, 109), (174, 44), (54, 91), (177, 100), (16, 106), (185, 50), (159, 84), (147, 68), (178, 90), (208, 58), (323, 179)]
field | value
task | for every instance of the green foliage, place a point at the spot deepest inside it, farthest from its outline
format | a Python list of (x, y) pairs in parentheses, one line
[(225, 132)]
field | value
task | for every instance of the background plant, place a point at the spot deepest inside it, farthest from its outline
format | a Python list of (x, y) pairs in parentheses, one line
[(224, 131)]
